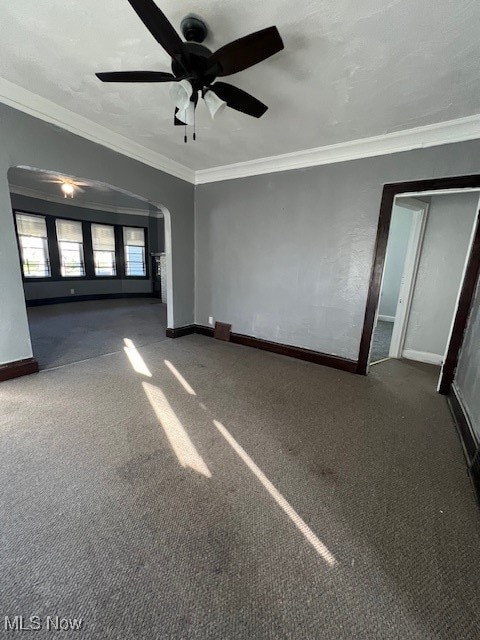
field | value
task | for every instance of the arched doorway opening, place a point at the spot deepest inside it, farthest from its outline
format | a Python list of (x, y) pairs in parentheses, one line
[(94, 262)]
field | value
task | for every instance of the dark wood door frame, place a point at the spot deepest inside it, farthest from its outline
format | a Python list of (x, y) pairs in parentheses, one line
[(469, 282)]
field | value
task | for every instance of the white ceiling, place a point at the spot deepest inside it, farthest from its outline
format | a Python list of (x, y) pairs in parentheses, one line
[(350, 69), (40, 184)]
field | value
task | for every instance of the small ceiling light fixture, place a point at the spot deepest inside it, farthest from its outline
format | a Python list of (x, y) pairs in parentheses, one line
[(181, 94), (68, 189), (215, 105), (184, 100)]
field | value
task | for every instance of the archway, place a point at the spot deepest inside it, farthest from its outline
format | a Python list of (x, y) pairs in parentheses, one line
[(89, 243)]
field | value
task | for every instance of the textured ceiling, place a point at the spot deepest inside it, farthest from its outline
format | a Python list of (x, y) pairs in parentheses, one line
[(92, 193), (349, 70)]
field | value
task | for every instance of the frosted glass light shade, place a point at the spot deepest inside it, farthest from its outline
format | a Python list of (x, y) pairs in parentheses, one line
[(181, 92), (214, 104)]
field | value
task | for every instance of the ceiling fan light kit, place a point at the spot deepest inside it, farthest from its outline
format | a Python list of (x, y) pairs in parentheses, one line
[(195, 68), (68, 189), (181, 92), (215, 105)]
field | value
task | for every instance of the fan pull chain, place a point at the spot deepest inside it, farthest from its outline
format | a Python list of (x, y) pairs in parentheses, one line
[(194, 123), (185, 136)]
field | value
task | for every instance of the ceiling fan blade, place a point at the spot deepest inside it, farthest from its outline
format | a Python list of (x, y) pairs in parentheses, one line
[(159, 26), (247, 51), (238, 99), (135, 76)]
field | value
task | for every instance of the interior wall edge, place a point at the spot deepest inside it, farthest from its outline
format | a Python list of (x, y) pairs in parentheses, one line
[(34, 105), (29, 141)]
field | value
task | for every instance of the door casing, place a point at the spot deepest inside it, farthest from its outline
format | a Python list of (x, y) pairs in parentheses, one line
[(472, 270)]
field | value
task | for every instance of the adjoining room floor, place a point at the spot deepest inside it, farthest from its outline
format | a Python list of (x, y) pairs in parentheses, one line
[(228, 493), (382, 337), (66, 333)]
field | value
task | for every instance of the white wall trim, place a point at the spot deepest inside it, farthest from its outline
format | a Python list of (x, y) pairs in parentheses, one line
[(423, 356), (386, 318), (73, 202), (448, 132), (33, 104), (417, 138)]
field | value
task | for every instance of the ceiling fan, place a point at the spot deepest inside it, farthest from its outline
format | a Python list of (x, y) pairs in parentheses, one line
[(195, 68), (68, 185)]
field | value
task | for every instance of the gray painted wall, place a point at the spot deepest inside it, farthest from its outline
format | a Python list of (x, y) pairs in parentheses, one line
[(287, 256), (39, 290), (467, 377), (444, 250), (398, 238), (31, 142)]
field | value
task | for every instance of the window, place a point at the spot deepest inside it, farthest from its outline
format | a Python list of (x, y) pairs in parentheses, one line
[(134, 241), (103, 241), (70, 246), (32, 237)]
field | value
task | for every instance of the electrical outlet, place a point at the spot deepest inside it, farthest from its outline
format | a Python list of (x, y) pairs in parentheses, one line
[(72, 290), (210, 321)]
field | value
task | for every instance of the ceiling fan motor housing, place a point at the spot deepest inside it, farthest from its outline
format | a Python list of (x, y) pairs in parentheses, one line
[(202, 73), (193, 29)]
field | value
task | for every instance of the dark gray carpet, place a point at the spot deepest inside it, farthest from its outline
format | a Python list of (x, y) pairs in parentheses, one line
[(382, 337), (101, 521), (65, 333)]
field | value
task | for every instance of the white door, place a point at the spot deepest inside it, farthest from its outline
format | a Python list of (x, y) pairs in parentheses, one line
[(410, 269)]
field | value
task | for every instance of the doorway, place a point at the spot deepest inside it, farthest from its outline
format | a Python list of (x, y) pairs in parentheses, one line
[(84, 254), (406, 233), (420, 304)]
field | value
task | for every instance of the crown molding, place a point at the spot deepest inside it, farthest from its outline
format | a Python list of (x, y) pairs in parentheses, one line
[(44, 109), (72, 202), (432, 135), (448, 132)]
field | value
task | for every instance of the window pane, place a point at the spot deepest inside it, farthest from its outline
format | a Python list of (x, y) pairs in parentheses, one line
[(103, 237), (34, 257), (70, 246), (69, 231), (71, 259), (104, 263), (32, 237), (103, 242), (31, 225), (134, 241), (134, 236), (135, 261)]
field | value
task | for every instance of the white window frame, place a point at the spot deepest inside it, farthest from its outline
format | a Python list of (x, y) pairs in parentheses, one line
[(144, 252), (63, 246), (104, 250), (44, 247)]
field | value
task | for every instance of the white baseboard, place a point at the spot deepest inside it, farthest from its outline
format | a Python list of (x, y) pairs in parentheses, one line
[(386, 318), (422, 356)]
